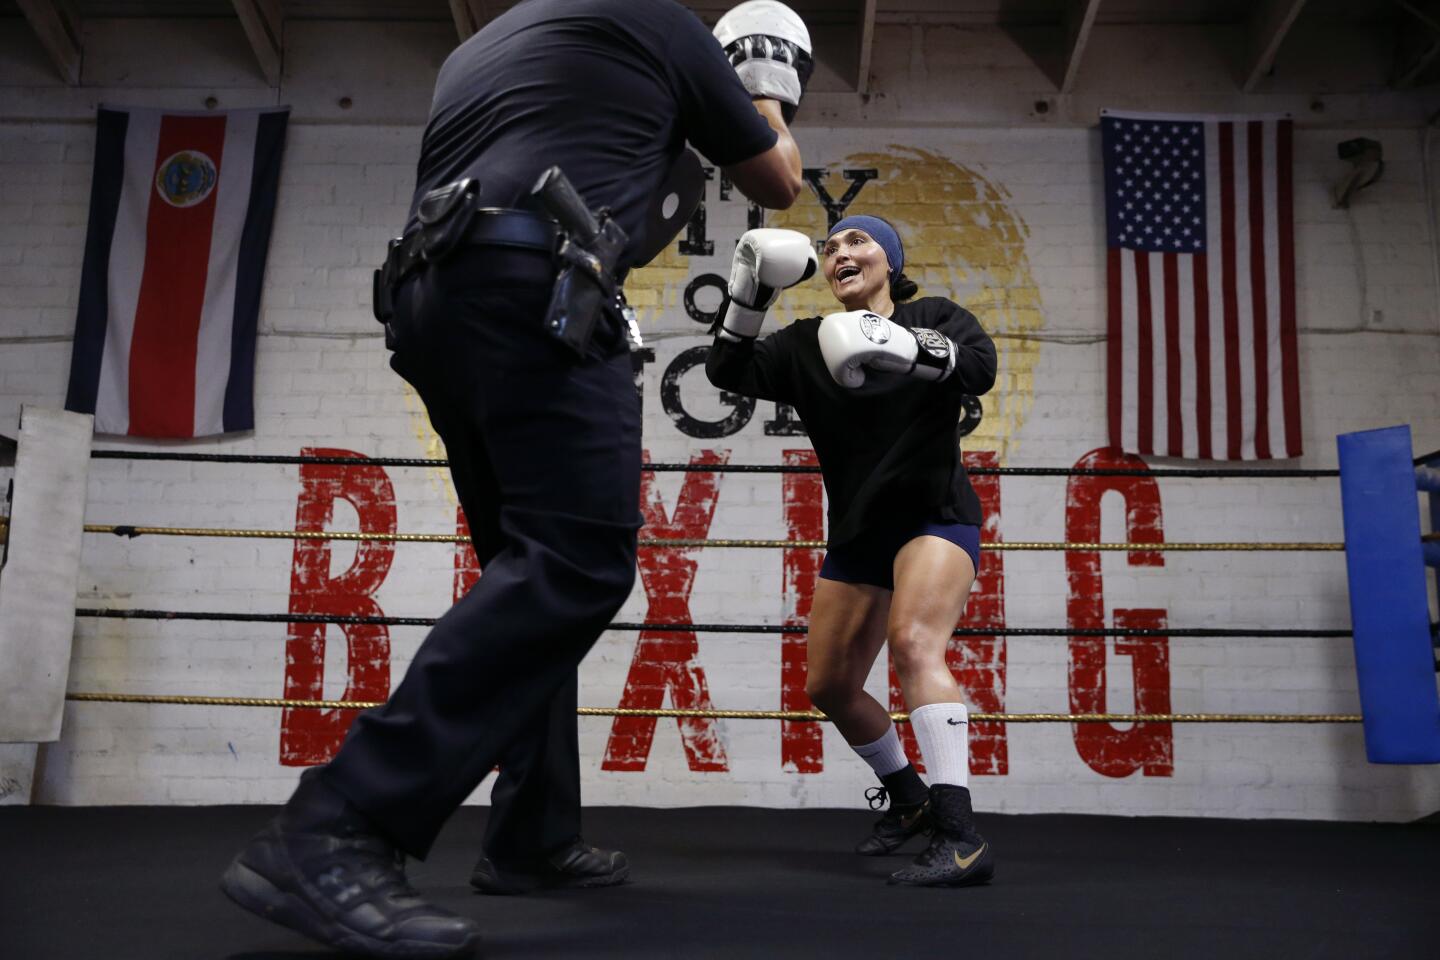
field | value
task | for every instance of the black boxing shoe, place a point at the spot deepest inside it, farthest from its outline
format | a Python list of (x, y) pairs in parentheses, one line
[(575, 865), (957, 855), (319, 869), (895, 828)]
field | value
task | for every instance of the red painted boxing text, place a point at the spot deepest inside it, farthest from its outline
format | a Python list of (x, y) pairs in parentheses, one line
[(669, 663)]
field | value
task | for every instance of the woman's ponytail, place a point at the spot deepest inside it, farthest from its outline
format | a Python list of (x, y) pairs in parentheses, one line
[(902, 288)]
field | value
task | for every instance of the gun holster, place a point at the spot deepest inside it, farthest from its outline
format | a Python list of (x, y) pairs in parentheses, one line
[(583, 288)]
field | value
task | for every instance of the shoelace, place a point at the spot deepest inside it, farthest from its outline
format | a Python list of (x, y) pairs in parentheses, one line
[(935, 844), (877, 797), (379, 868)]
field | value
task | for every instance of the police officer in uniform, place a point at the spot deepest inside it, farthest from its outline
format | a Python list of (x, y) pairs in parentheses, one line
[(534, 398)]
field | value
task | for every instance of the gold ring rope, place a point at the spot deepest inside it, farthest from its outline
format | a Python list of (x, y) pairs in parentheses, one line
[(135, 531), (795, 715)]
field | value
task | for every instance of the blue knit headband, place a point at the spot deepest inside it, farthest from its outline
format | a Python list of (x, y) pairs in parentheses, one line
[(882, 233)]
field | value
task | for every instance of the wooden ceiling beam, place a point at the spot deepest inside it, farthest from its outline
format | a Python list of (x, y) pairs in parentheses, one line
[(1409, 74), (1415, 53), (57, 25), (264, 24), (1079, 19), (1268, 26), (470, 16), (867, 45)]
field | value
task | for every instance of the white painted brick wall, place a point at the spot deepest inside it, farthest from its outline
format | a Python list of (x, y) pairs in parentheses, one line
[(1370, 331)]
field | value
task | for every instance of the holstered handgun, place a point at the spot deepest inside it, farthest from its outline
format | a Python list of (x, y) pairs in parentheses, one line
[(589, 257)]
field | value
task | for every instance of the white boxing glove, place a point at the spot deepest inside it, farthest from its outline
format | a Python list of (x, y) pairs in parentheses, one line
[(769, 46), (766, 261), (850, 342)]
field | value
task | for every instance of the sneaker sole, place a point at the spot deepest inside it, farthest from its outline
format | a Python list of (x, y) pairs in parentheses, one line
[(968, 880), (885, 850), (496, 887), (608, 880), (493, 886), (258, 895)]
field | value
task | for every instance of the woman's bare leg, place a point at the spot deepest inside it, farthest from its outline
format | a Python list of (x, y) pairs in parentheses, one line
[(847, 630)]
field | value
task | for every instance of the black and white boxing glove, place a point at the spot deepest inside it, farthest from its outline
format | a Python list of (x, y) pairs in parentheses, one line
[(852, 341), (769, 47), (766, 261)]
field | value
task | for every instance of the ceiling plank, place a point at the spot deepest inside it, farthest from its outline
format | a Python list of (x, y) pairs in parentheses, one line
[(57, 25), (1080, 18), (867, 45), (264, 27), (1268, 26)]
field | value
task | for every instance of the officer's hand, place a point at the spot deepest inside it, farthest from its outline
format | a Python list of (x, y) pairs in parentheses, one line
[(769, 46)]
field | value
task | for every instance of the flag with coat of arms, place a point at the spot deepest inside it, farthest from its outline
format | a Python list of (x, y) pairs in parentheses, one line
[(181, 206)]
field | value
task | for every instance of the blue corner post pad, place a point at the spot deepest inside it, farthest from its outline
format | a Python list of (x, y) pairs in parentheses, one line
[(1394, 661)]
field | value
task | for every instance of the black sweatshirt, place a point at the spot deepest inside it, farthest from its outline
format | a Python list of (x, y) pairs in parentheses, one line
[(888, 451)]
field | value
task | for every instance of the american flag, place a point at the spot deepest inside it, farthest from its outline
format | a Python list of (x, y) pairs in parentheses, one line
[(1199, 223)]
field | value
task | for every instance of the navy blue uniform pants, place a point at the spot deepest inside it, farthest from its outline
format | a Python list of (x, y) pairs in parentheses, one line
[(544, 450)]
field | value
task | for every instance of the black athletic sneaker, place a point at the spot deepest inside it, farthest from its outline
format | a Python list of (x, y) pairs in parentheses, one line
[(957, 856), (575, 865), (897, 826), (319, 870)]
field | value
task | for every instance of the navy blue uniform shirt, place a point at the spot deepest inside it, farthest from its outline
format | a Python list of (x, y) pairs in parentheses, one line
[(609, 90)]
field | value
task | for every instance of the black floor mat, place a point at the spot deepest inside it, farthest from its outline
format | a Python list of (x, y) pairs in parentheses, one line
[(115, 883)]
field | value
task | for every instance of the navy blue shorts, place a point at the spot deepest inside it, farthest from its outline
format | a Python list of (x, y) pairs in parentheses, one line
[(870, 558)]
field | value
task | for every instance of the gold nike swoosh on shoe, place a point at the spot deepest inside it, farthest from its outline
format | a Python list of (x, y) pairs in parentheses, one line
[(965, 863)]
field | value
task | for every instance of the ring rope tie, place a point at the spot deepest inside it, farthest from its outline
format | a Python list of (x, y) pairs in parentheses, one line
[(813, 716), (128, 530)]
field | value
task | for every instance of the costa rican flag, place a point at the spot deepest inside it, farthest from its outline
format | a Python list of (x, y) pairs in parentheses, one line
[(1199, 211), (181, 206)]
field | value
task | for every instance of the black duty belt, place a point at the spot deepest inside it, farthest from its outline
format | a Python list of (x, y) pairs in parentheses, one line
[(586, 248), (489, 226)]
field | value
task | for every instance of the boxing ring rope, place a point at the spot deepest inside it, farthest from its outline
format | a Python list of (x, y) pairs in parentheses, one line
[(127, 530), (801, 716), (1178, 472), (755, 628), (791, 715), (131, 531)]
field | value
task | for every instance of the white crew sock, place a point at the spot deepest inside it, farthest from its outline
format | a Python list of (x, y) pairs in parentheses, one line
[(943, 731), (885, 755)]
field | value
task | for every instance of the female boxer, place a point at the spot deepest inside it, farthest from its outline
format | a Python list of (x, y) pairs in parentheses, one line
[(879, 388)]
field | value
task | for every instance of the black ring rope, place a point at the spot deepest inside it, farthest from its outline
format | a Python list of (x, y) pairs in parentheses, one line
[(1197, 472), (110, 613)]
